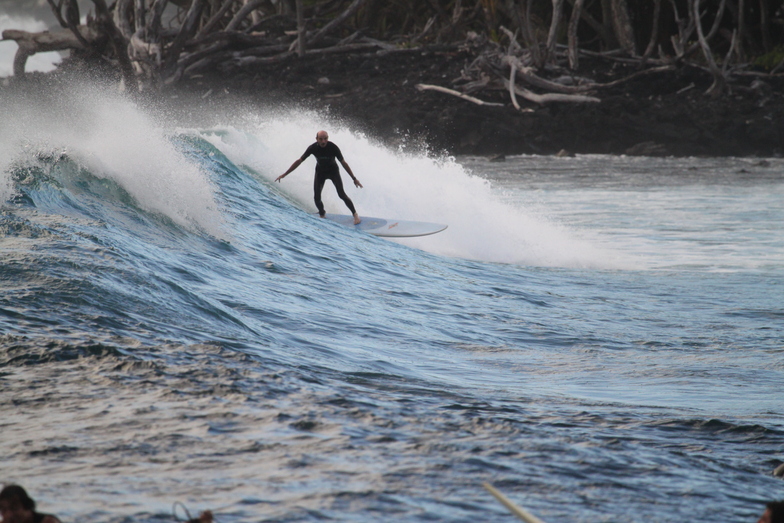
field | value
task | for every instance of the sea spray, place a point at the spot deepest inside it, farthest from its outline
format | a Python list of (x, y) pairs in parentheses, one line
[(117, 139), (413, 186), (112, 138)]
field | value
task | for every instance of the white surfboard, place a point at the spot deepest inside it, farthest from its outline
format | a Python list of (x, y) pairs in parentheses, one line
[(388, 228)]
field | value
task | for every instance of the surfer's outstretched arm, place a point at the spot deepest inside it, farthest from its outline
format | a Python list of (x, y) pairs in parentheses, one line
[(348, 170), (293, 166)]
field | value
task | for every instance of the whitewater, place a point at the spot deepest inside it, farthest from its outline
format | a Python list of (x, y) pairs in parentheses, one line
[(601, 338)]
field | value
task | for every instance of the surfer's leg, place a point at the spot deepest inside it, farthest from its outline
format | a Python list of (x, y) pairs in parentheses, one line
[(343, 196), (318, 186)]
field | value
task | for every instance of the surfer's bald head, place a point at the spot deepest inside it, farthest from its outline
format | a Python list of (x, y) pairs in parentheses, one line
[(322, 138)]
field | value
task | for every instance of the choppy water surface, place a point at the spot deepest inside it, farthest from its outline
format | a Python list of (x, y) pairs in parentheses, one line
[(601, 338)]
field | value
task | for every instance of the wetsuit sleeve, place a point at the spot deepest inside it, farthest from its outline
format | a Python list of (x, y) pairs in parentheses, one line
[(338, 154), (307, 152)]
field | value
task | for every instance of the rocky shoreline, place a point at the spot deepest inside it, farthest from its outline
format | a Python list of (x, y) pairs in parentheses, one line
[(663, 114), (660, 114)]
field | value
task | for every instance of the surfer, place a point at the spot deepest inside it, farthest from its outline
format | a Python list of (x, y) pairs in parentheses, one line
[(774, 513), (17, 507), (327, 168)]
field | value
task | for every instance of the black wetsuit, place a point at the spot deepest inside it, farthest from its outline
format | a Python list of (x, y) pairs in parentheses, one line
[(38, 517), (327, 169)]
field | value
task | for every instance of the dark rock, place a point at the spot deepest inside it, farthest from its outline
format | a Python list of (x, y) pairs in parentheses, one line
[(647, 149)]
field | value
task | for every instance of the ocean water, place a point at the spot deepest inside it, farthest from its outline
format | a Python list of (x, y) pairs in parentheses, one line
[(601, 338)]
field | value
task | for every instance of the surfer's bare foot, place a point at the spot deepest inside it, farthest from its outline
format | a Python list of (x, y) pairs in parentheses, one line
[(357, 219), (322, 215)]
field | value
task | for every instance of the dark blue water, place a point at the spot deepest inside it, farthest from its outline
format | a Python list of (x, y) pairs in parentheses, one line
[(600, 338)]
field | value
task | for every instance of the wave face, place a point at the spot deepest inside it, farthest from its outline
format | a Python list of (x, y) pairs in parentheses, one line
[(175, 326)]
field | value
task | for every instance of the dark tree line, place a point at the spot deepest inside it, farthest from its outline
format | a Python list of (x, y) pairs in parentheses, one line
[(158, 42)]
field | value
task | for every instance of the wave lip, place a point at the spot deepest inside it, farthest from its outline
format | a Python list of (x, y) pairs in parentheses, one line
[(108, 137), (412, 186)]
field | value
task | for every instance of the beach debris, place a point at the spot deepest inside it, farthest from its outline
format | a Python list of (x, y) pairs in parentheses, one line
[(779, 471), (518, 511), (205, 517)]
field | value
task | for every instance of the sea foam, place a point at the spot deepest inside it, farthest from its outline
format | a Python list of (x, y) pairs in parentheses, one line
[(413, 185), (112, 138)]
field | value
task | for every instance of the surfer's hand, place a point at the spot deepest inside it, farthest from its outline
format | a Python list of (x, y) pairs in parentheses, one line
[(356, 182), (279, 177)]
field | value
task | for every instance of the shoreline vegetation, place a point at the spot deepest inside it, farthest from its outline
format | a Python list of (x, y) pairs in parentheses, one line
[(475, 77)]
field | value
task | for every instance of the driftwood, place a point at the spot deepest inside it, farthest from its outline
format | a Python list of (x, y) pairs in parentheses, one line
[(543, 99), (154, 46), (445, 90), (187, 30), (528, 75), (105, 25), (510, 69), (517, 510), (644, 72), (719, 86), (577, 10), (355, 5), (32, 43), (554, 25), (511, 87), (654, 31)]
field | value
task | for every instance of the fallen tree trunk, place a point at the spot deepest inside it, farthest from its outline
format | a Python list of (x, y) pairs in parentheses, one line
[(527, 74), (32, 43), (445, 90), (543, 99)]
